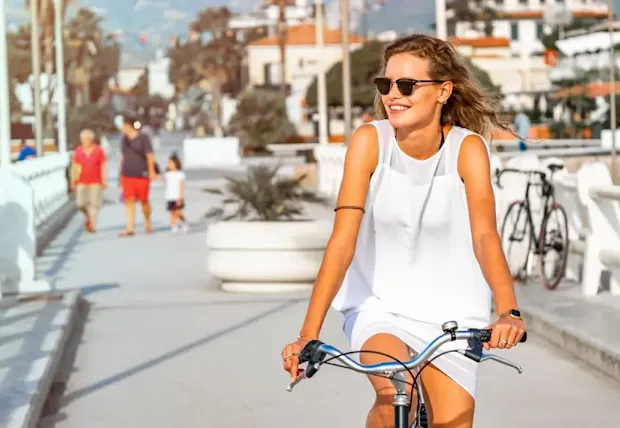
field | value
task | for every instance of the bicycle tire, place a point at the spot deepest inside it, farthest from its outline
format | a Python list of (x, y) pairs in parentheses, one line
[(560, 245), (520, 210)]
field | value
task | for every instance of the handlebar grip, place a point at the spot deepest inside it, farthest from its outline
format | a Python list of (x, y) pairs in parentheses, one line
[(310, 353), (485, 336)]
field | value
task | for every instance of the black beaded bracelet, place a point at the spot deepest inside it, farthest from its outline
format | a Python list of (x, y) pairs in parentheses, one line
[(350, 207)]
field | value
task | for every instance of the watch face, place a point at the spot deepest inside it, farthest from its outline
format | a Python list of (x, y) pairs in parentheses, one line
[(515, 312)]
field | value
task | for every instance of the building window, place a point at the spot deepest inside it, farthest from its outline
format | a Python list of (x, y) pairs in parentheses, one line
[(514, 31), (523, 2), (539, 31), (499, 2)]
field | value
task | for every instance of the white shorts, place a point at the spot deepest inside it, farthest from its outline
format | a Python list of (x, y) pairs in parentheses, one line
[(361, 326)]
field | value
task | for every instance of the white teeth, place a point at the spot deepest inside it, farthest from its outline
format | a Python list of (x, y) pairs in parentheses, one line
[(399, 108)]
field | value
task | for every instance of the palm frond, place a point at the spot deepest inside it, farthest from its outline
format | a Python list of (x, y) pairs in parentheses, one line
[(263, 195)]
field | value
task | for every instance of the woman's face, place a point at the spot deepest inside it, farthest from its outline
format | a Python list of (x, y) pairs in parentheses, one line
[(418, 108)]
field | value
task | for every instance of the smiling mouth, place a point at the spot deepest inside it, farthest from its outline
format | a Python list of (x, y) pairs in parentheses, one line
[(398, 108)]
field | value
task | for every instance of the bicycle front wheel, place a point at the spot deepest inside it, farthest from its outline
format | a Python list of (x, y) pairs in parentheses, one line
[(553, 245), (516, 239)]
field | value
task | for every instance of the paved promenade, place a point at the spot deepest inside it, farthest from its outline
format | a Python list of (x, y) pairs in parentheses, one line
[(161, 346)]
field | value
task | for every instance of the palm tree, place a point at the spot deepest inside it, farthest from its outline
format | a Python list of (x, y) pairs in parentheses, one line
[(282, 30), (475, 12), (46, 20)]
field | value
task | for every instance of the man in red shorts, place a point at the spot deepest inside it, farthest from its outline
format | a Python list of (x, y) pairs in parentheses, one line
[(137, 171)]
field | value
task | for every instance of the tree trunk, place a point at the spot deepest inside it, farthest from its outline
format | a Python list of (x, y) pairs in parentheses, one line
[(282, 43), (48, 129)]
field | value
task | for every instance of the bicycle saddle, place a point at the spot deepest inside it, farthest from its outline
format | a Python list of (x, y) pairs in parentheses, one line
[(555, 167)]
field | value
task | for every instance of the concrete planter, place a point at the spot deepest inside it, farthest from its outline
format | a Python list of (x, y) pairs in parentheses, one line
[(266, 257)]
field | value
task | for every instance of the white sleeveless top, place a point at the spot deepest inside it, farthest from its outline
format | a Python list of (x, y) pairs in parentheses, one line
[(414, 255)]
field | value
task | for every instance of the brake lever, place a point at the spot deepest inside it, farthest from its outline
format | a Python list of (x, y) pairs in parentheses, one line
[(501, 360), (299, 378)]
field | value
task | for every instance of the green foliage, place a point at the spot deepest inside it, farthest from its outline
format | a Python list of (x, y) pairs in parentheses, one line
[(261, 119), (366, 63), (99, 118), (482, 77), (141, 88), (89, 49), (217, 61), (262, 196)]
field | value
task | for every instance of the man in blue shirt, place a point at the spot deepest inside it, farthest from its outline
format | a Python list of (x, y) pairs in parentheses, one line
[(522, 129), (26, 152)]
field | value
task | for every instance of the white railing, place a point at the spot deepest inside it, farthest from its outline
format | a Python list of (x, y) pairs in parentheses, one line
[(31, 192), (592, 206), (602, 250), (47, 176), (330, 160)]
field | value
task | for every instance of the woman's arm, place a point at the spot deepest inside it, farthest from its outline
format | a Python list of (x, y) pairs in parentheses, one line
[(475, 170), (360, 162), (104, 172), (181, 188)]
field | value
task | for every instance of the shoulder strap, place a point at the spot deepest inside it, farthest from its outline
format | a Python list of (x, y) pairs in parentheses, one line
[(456, 137), (385, 134)]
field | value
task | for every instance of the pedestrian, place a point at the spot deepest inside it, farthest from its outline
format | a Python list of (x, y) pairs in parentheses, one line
[(89, 177), (175, 194), (138, 169), (522, 126), (26, 151), (415, 241)]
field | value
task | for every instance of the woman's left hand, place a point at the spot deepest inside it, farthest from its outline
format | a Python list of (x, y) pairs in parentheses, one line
[(507, 332)]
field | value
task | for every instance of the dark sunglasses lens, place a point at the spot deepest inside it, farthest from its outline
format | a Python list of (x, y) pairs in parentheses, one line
[(405, 87), (383, 85)]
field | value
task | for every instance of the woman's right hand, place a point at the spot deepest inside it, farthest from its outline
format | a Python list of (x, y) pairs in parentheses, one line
[(290, 357)]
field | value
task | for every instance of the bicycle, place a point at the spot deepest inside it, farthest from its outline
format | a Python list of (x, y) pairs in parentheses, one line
[(315, 354), (549, 238)]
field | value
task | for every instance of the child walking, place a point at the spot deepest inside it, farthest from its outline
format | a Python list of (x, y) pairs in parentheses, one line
[(175, 191)]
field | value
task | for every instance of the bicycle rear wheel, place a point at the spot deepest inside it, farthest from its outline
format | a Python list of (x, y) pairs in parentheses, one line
[(553, 242), (516, 239)]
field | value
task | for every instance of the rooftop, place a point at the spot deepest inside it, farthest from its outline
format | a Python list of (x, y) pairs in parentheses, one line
[(305, 34), (481, 42)]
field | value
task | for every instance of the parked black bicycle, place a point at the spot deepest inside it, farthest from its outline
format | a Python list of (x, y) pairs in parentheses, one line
[(317, 354), (520, 238)]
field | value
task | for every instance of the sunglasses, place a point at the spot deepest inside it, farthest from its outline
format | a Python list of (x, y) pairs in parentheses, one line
[(405, 86)]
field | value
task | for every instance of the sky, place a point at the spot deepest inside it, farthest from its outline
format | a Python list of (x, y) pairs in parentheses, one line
[(159, 20)]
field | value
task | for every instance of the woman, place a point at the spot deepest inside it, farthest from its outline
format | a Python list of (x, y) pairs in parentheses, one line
[(415, 241), (89, 177)]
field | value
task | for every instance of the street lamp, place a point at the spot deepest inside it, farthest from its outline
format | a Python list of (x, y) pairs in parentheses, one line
[(612, 89), (440, 19), (346, 69), (5, 112), (321, 84), (60, 79), (36, 74)]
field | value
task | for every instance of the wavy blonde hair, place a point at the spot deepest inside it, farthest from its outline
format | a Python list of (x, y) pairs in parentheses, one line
[(469, 106)]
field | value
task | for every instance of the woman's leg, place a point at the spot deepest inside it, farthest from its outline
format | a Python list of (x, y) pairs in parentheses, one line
[(174, 216), (447, 403), (96, 200), (382, 413)]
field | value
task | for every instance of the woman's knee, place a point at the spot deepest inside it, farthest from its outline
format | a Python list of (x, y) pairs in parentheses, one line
[(382, 412), (449, 404)]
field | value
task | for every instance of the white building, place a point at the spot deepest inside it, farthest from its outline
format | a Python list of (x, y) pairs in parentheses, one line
[(267, 16), (303, 59), (513, 53), (159, 78)]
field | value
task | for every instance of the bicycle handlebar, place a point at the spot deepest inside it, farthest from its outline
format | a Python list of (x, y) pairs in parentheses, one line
[(316, 351), (498, 174)]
